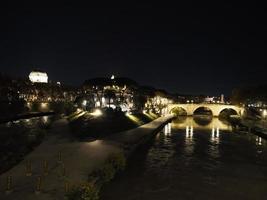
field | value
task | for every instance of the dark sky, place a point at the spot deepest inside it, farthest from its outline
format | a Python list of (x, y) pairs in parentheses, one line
[(193, 48)]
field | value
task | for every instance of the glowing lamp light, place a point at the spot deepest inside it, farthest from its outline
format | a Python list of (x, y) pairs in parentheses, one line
[(97, 112), (112, 77), (84, 102), (45, 119), (43, 105), (97, 104), (128, 112)]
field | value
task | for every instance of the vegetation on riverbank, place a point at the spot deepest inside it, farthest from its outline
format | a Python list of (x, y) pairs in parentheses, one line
[(108, 123), (90, 189)]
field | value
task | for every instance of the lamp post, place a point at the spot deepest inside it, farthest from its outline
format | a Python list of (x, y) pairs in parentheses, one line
[(84, 103), (264, 114)]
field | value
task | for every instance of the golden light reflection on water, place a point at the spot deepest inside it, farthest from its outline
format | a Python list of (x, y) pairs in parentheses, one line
[(213, 126), (189, 132), (167, 129), (201, 123), (215, 135), (259, 141)]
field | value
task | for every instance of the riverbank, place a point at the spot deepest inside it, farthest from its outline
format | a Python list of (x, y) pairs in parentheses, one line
[(257, 127), (20, 138), (88, 125), (77, 161), (25, 116)]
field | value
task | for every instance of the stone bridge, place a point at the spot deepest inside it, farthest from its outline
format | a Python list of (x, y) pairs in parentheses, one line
[(215, 109)]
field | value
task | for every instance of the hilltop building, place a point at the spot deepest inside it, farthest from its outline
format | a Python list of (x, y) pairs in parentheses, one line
[(38, 76)]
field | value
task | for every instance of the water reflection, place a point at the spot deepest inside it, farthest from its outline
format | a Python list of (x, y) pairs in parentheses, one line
[(180, 119), (19, 137), (195, 160), (258, 140), (203, 120), (44, 119), (215, 135), (189, 132), (35, 122), (167, 129), (202, 123)]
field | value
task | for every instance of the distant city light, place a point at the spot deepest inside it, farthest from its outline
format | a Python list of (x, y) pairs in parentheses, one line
[(112, 77)]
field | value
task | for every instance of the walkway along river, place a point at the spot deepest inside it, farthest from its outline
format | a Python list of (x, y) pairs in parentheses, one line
[(195, 158)]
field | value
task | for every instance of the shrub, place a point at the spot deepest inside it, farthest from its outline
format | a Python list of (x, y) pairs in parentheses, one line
[(107, 173), (114, 164), (118, 161), (85, 191)]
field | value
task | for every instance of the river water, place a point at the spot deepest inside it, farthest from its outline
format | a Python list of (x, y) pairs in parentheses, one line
[(19, 137), (195, 158)]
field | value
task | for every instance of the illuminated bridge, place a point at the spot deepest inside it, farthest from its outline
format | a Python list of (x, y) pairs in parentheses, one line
[(215, 109)]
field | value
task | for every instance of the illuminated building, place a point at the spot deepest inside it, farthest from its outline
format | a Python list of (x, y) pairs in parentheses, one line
[(38, 77)]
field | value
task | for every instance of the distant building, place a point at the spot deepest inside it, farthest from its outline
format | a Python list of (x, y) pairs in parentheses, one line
[(222, 98), (38, 77), (209, 99)]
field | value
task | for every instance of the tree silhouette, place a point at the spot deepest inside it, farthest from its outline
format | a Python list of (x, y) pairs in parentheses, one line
[(109, 94)]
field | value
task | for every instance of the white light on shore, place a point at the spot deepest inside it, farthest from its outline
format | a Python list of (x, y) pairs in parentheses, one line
[(84, 102), (43, 105), (97, 112)]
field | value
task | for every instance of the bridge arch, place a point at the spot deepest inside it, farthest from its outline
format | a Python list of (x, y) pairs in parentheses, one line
[(204, 109), (203, 120), (179, 111), (227, 111)]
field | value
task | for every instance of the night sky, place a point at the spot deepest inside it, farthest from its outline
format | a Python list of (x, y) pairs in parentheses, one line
[(194, 48)]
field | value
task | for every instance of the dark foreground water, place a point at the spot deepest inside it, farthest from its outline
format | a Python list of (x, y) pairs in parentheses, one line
[(20, 137), (195, 159)]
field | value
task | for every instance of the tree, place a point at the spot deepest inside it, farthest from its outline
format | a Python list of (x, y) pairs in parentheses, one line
[(97, 87), (110, 94)]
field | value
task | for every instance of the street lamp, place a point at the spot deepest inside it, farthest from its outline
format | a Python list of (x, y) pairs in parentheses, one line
[(84, 102), (97, 112), (264, 113)]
